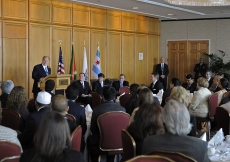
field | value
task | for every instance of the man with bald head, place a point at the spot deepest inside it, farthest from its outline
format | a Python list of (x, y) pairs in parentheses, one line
[(40, 71), (163, 71), (60, 105)]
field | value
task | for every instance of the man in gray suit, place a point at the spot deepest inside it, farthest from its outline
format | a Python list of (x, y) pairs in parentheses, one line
[(176, 118)]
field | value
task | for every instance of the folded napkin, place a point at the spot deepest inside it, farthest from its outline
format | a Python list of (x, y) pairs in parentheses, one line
[(88, 108)]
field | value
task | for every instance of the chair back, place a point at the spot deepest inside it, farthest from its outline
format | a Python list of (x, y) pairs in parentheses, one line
[(8, 149), (212, 104), (96, 99), (129, 145), (124, 99), (10, 119), (222, 120), (150, 158), (11, 159), (71, 117), (76, 137), (176, 156), (31, 106), (124, 89), (110, 125)]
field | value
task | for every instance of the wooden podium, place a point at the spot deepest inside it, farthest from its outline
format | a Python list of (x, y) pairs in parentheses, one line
[(61, 81)]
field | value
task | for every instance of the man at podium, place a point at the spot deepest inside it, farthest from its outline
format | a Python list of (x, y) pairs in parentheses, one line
[(40, 71)]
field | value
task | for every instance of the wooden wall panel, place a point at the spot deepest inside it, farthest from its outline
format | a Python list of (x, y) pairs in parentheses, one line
[(15, 53), (62, 13), (1, 61), (128, 56), (128, 21), (98, 18), (114, 20), (79, 36), (141, 23), (98, 36), (113, 59), (81, 15), (141, 65), (64, 34), (40, 45), (15, 9), (40, 11), (153, 26)]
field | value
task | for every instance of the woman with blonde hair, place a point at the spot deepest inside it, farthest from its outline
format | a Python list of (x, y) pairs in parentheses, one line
[(180, 94)]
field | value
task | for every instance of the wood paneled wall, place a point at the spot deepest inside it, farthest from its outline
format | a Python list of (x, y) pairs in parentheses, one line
[(30, 29)]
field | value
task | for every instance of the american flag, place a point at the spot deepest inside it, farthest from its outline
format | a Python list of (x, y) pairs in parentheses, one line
[(61, 69)]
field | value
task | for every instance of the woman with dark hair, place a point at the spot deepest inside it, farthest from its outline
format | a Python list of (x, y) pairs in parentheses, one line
[(147, 122), (17, 101), (52, 142), (132, 103), (223, 85)]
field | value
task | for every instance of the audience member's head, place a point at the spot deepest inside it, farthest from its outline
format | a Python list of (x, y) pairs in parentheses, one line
[(227, 76), (145, 96), (202, 82), (7, 86), (133, 90), (208, 74), (43, 99), (109, 93), (189, 79), (101, 77), (108, 82), (17, 98), (72, 92), (176, 118), (180, 94), (49, 85), (60, 104), (216, 79), (51, 137), (223, 84), (154, 77), (175, 82)]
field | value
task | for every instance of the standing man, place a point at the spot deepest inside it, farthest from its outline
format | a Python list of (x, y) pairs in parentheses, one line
[(84, 90), (120, 83), (200, 69), (163, 71), (99, 84), (156, 86), (40, 71)]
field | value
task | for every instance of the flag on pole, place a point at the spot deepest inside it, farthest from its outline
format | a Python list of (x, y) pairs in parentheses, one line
[(73, 70), (85, 66), (61, 69), (97, 64)]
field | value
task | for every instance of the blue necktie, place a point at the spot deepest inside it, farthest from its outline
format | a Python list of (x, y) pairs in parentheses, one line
[(46, 70), (121, 84)]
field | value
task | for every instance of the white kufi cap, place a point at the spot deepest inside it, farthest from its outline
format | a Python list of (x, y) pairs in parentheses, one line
[(44, 98)]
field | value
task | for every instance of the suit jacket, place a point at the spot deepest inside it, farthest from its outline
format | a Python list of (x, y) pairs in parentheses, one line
[(3, 99), (165, 95), (79, 113), (157, 87), (86, 90), (38, 72), (200, 70), (165, 70), (32, 122), (116, 84), (190, 146), (96, 87), (192, 88)]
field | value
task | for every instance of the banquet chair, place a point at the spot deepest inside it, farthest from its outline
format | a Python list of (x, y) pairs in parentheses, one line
[(10, 119), (177, 156), (71, 117), (150, 158), (129, 145), (96, 99), (124, 89), (76, 137), (124, 99), (8, 149), (222, 120), (11, 159), (31, 106)]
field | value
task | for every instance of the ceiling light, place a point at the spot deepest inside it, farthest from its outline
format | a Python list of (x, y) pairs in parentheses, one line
[(199, 2), (170, 14), (135, 8)]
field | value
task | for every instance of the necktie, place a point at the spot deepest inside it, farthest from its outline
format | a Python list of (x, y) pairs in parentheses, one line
[(121, 84), (82, 84), (101, 84), (153, 86), (46, 70), (162, 68)]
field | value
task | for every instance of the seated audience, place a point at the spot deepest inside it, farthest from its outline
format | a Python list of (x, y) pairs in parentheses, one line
[(174, 82), (209, 78), (190, 84), (52, 142), (99, 84), (147, 122), (120, 83), (223, 85), (132, 103), (176, 119), (227, 104), (17, 101), (43, 101), (214, 87), (49, 87), (108, 82), (199, 104), (6, 88), (93, 140), (156, 86)]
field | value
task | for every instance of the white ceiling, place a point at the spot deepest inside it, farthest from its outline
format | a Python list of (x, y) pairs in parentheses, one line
[(159, 9)]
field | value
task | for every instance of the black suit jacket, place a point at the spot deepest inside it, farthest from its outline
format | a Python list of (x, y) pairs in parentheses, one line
[(38, 72), (116, 84), (86, 90), (165, 70), (3, 99), (157, 86), (200, 70), (192, 88), (96, 87)]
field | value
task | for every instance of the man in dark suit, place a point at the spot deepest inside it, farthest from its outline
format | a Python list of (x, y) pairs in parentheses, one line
[(156, 86), (163, 71), (177, 121), (84, 90), (40, 71), (209, 77), (190, 84), (120, 83), (99, 84), (93, 140), (200, 69), (43, 105)]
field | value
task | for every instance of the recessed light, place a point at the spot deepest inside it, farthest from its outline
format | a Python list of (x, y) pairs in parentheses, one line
[(170, 14), (135, 8)]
